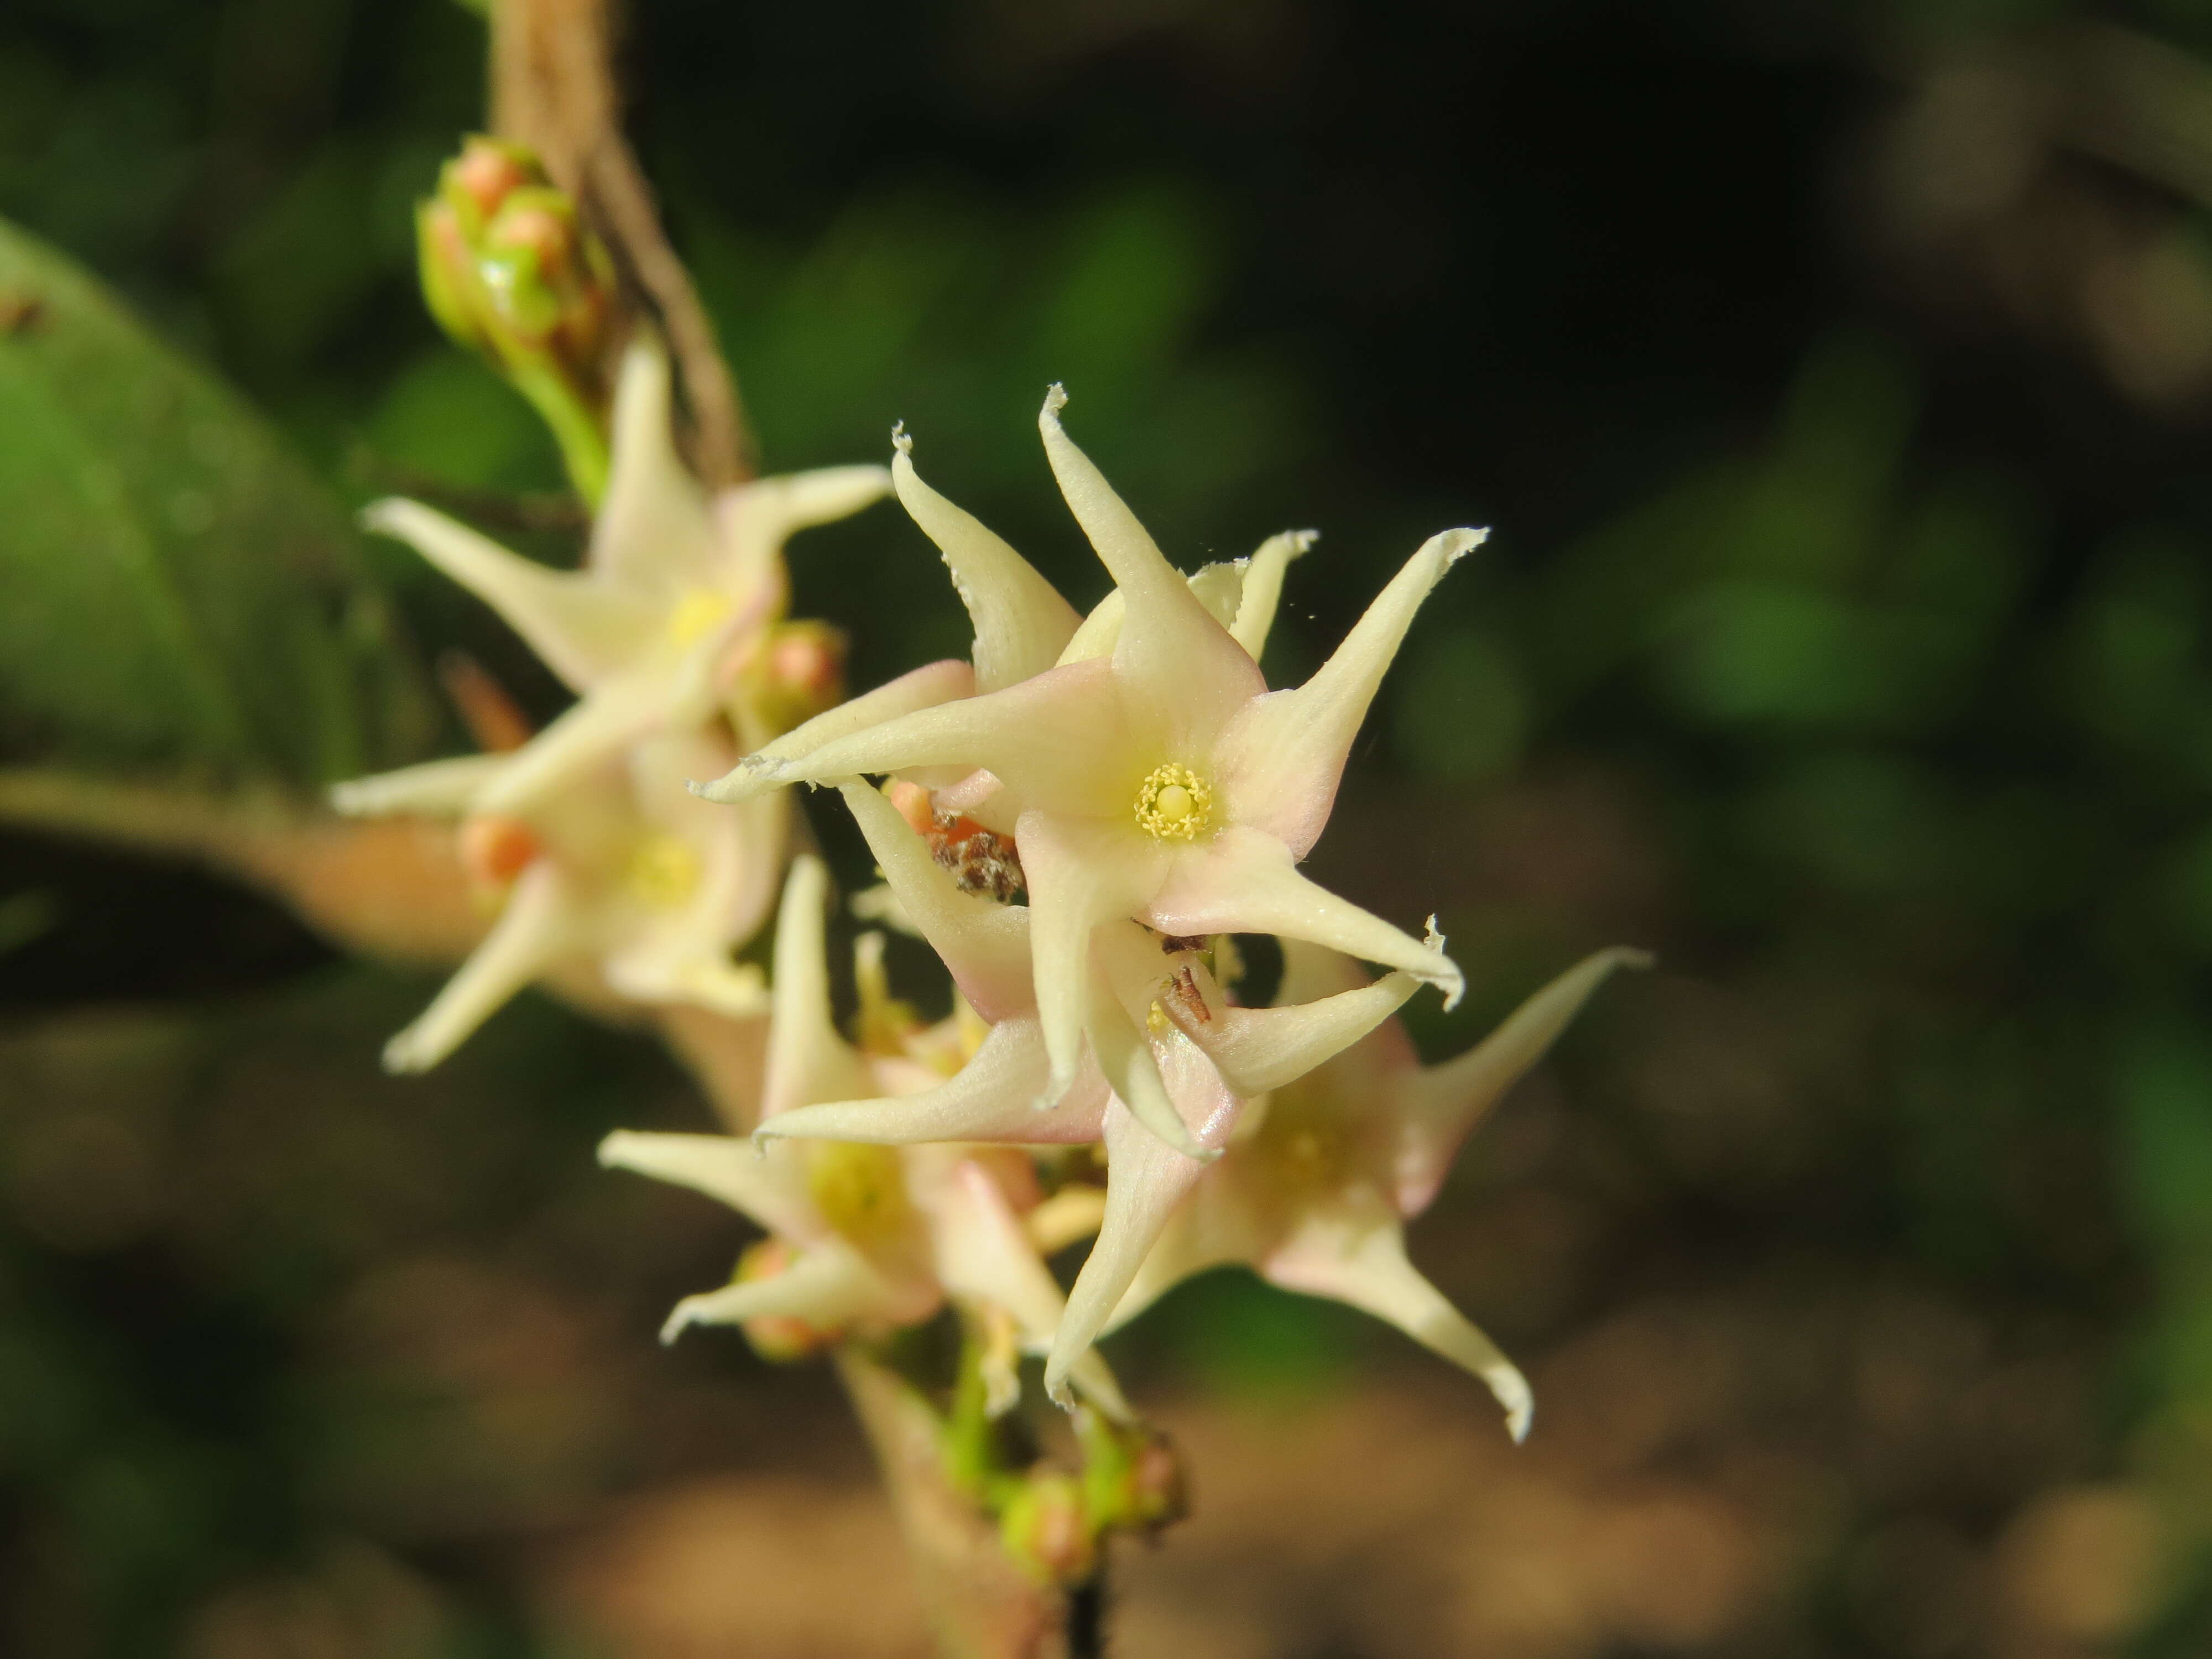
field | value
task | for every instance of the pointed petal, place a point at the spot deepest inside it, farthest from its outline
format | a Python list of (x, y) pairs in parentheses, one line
[(1080, 873), (654, 531), (922, 688), (992, 1098), (759, 517), (768, 1186), (1361, 1260), (1021, 621), (807, 1059), (1438, 1107), (982, 1255), (830, 1285), (1263, 588), (1145, 1180), (594, 731), (1260, 1049), (1243, 881), (985, 944), (1058, 737), (1281, 758), (1172, 653), (539, 927), (438, 788), (583, 629)]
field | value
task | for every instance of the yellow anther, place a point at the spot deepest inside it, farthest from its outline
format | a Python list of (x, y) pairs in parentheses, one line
[(663, 871), (1174, 802), (696, 613)]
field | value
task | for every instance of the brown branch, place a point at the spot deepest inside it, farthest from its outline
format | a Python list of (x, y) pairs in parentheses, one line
[(553, 87)]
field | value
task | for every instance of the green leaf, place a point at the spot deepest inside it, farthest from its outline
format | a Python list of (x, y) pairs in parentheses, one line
[(175, 586)]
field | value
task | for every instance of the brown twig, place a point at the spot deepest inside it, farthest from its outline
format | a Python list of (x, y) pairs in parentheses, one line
[(553, 87)]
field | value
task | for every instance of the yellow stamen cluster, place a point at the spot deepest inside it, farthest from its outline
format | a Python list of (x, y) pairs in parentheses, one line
[(1174, 802), (663, 871), (698, 612)]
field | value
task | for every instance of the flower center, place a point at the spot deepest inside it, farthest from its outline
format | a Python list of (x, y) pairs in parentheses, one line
[(663, 871), (1174, 802), (696, 613)]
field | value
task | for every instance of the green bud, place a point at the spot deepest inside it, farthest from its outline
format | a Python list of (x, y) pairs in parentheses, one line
[(1045, 1531), (1133, 1478), (511, 271)]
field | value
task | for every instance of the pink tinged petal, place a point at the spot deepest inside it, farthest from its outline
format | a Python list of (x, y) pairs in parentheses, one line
[(1263, 588), (830, 1285), (1172, 654), (983, 1255), (991, 1098), (1280, 759), (1080, 873), (1021, 621), (438, 788), (1244, 882), (654, 531), (768, 1187), (922, 688), (1260, 1049), (583, 629), (759, 517), (1125, 1055), (1058, 737), (540, 925), (1145, 1180), (1439, 1107), (984, 943), (807, 1059), (1357, 1258)]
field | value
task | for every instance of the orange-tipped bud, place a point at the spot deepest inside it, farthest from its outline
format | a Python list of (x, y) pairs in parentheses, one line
[(496, 850)]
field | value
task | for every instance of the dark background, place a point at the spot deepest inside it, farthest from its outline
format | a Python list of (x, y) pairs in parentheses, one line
[(1840, 387)]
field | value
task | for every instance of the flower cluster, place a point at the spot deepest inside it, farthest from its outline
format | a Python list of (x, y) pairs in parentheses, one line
[(1081, 820), (1156, 798)]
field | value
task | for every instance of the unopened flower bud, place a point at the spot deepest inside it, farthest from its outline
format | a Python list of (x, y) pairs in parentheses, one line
[(1133, 1478), (510, 271), (797, 673), (1045, 1531), (496, 850)]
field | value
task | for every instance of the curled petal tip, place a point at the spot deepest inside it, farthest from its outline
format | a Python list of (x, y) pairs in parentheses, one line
[(901, 440), (1055, 399), (1456, 545), (1513, 1393), (1430, 936)]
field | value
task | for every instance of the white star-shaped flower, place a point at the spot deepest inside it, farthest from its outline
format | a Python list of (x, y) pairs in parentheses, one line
[(1142, 998), (1314, 1192), (670, 620), (1138, 761), (873, 1237), (620, 887)]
